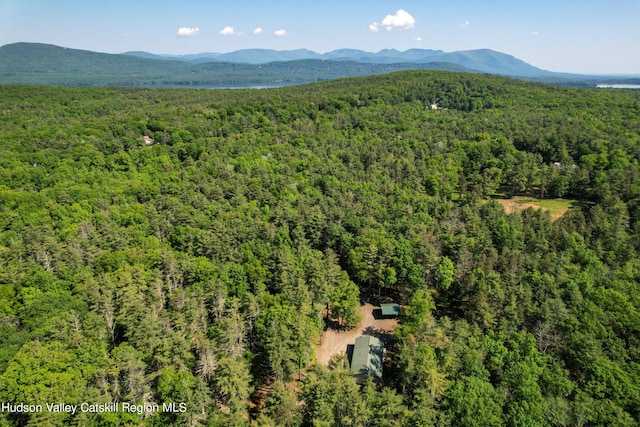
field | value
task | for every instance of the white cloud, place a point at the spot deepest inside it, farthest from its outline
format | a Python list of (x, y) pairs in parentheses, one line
[(418, 39), (465, 24), (257, 30), (188, 31), (535, 34), (227, 31), (401, 20), (280, 33)]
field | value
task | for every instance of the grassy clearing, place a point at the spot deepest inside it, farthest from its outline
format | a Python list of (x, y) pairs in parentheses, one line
[(555, 207)]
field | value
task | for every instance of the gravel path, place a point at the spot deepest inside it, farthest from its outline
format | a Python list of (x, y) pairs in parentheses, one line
[(335, 342)]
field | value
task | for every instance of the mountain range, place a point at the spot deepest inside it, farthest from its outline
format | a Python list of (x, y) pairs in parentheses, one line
[(482, 60), (45, 64)]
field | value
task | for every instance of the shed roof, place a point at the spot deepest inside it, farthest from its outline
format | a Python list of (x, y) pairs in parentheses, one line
[(367, 357), (390, 309)]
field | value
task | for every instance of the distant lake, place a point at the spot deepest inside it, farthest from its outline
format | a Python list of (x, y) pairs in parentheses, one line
[(619, 86), (241, 87)]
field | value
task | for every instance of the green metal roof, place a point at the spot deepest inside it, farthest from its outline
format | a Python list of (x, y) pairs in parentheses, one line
[(367, 357), (390, 309)]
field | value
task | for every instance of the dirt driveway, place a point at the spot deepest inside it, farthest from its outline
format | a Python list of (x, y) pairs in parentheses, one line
[(335, 342)]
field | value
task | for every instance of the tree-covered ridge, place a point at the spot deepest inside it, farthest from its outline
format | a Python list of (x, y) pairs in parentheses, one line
[(198, 269), (42, 64)]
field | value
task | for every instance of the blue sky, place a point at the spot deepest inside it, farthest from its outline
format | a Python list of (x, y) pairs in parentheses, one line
[(597, 36)]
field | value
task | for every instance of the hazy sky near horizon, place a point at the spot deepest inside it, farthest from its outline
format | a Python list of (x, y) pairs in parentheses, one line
[(581, 36)]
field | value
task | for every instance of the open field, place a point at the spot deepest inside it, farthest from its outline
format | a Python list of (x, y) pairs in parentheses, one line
[(555, 207)]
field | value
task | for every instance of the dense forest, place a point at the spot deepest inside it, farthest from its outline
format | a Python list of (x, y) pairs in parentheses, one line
[(200, 265)]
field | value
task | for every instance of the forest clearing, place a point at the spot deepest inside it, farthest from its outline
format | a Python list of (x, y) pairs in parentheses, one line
[(335, 342), (556, 208)]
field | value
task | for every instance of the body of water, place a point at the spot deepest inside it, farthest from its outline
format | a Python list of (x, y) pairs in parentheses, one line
[(621, 86)]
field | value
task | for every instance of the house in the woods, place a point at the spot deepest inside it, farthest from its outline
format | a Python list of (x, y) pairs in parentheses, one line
[(390, 310), (367, 359)]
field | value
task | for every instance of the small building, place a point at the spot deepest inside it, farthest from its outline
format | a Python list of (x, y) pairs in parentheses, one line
[(367, 359), (390, 310)]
